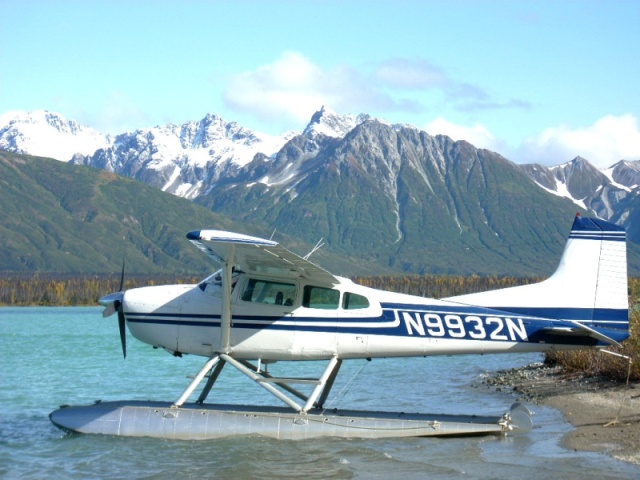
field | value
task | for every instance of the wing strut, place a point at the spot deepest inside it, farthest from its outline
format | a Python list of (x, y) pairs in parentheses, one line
[(225, 319)]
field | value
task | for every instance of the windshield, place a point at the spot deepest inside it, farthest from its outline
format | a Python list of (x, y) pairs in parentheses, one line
[(213, 283), (214, 278)]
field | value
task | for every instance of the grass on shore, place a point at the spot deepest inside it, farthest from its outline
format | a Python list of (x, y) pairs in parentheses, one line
[(596, 363)]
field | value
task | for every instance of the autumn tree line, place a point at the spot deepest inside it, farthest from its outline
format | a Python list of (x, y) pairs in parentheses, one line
[(72, 289), (80, 290)]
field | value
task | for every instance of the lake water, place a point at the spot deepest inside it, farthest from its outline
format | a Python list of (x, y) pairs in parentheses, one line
[(54, 356)]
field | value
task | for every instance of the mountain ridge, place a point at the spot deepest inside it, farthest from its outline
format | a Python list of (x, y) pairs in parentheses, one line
[(392, 195), (188, 159)]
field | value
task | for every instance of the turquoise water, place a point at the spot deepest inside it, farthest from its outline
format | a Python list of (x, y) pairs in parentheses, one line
[(55, 356)]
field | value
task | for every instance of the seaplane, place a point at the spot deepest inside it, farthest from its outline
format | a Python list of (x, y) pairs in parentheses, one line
[(266, 304)]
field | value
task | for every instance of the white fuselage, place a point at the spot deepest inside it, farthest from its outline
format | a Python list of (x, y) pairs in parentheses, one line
[(186, 319)]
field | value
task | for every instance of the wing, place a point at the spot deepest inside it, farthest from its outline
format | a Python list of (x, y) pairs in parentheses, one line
[(258, 256)]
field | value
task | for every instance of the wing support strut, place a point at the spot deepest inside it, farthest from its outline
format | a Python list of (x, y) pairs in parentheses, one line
[(225, 320)]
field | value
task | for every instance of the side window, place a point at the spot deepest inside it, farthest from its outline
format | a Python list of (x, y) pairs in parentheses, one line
[(353, 301), (318, 297), (271, 293)]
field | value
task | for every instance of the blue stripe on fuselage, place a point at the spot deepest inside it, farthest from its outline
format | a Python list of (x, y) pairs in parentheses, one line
[(409, 320)]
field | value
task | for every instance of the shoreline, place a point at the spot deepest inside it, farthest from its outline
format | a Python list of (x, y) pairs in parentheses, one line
[(605, 413)]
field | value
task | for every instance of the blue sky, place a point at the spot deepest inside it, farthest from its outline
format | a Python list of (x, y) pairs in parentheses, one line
[(537, 81)]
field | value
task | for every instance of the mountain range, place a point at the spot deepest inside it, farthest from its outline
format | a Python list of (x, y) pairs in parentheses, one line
[(390, 196)]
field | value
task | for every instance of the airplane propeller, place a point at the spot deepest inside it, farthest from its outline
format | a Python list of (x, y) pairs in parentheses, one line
[(113, 304)]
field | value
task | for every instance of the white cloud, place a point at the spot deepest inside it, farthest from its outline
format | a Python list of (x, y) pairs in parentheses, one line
[(117, 113), (293, 87), (478, 135), (608, 140), (411, 74)]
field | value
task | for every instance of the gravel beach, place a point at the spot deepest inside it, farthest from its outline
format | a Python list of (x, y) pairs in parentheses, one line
[(605, 413)]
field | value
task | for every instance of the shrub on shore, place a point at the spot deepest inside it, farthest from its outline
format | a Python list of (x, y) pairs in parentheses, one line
[(596, 363)]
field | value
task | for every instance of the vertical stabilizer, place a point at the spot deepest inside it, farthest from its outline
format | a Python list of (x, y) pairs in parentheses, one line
[(589, 285)]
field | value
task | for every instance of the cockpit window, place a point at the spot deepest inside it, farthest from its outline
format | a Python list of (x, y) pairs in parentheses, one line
[(271, 293), (353, 301), (319, 297)]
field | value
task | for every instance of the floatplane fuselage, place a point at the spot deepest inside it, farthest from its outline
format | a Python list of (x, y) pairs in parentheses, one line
[(267, 304)]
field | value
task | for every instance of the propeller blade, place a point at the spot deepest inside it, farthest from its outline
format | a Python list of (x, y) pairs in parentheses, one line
[(123, 332), (122, 276), (113, 304)]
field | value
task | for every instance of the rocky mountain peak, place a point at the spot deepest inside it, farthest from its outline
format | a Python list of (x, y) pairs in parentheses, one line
[(625, 173), (579, 169), (328, 123)]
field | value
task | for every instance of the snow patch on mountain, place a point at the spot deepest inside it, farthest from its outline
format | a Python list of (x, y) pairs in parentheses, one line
[(609, 174), (561, 190), (624, 171)]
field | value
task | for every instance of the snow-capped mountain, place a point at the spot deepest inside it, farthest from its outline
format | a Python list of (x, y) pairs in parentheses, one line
[(330, 124), (184, 159), (48, 134), (625, 174), (180, 159), (395, 195), (191, 159)]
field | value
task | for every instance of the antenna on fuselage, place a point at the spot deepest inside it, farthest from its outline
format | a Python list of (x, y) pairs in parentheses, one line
[(318, 246)]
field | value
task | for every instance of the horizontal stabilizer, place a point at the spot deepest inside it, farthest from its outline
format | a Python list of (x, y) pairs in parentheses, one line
[(580, 330)]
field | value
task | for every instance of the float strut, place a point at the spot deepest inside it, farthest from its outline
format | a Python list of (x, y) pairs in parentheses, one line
[(196, 381), (212, 379), (329, 385), (249, 373), (333, 363)]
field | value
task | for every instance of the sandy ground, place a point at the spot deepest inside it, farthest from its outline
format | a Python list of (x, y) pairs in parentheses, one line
[(605, 414)]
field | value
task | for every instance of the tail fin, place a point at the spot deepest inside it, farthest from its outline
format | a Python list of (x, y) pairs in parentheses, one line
[(589, 286)]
